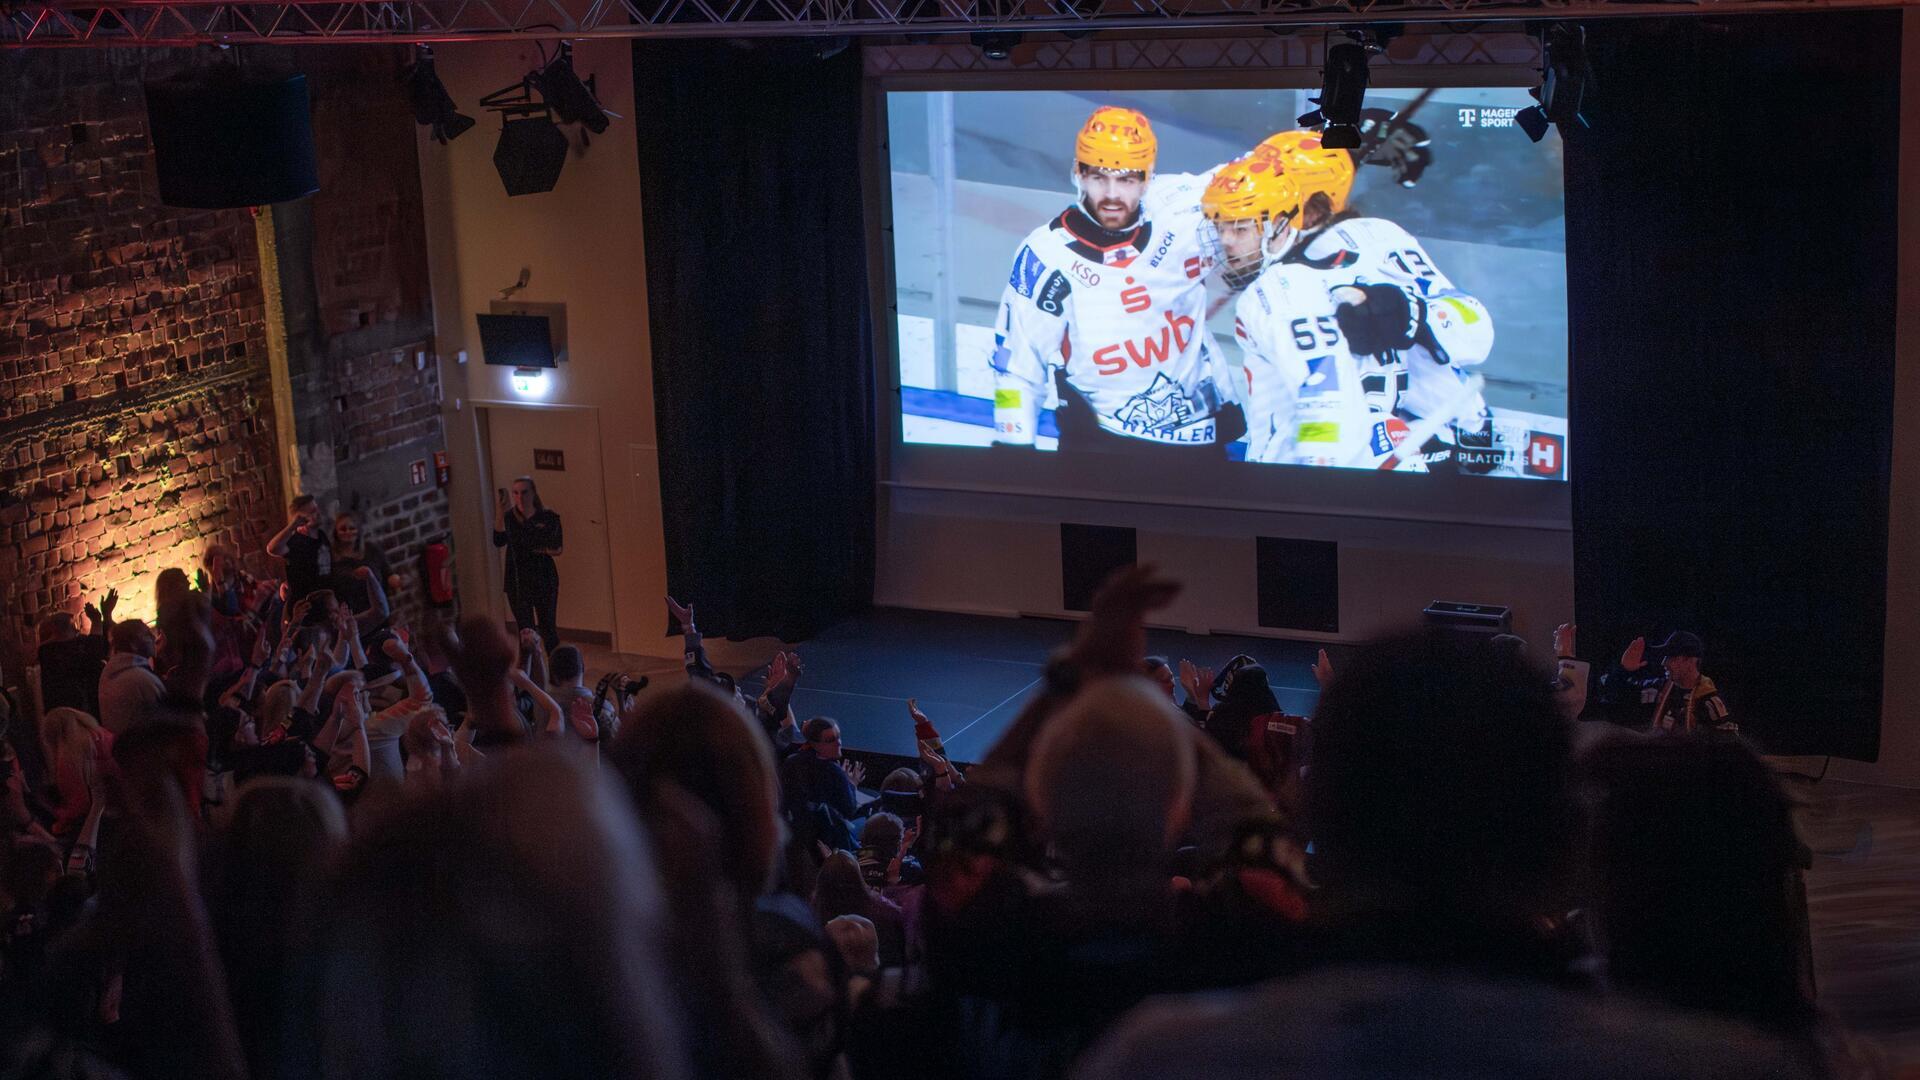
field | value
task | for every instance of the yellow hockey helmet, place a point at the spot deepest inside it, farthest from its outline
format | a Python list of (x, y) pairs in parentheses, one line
[(1117, 139), (1314, 168), (1258, 187)]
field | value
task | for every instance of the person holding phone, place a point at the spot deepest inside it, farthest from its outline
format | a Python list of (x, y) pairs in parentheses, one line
[(305, 547), (531, 534)]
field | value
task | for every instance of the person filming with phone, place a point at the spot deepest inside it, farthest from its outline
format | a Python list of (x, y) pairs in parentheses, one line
[(531, 534)]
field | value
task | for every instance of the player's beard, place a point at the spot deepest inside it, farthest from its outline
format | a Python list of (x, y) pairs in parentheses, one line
[(1111, 214)]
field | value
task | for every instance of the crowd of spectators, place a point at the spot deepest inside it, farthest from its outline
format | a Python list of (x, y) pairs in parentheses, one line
[(281, 833)]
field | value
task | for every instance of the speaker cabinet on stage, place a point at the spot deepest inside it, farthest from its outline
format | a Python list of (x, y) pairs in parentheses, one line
[(1479, 619), (1089, 554), (1298, 584)]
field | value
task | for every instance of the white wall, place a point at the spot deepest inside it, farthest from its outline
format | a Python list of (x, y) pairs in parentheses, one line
[(582, 245), (1000, 554)]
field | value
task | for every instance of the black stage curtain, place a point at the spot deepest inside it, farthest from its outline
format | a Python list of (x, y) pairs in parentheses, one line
[(750, 174), (1730, 240)]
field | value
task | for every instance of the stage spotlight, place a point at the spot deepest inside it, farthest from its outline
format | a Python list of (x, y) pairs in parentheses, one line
[(1343, 90), (996, 44), (432, 105), (1565, 75), (572, 101), (531, 153)]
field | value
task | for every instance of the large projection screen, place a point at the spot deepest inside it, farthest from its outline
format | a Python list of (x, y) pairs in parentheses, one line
[(1146, 351)]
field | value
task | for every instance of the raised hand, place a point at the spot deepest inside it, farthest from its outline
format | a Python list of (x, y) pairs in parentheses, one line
[(107, 605), (1635, 657), (942, 769), (93, 617), (1197, 681), (777, 670), (855, 771), (1563, 640), (913, 710), (683, 614), (1322, 669), (1114, 637)]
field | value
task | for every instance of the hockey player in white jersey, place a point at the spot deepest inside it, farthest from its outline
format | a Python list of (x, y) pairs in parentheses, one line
[(1301, 391), (1416, 331), (1112, 292)]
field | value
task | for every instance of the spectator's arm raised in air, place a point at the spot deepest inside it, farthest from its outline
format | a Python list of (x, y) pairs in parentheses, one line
[(550, 720), (418, 689), (378, 607), (1111, 641)]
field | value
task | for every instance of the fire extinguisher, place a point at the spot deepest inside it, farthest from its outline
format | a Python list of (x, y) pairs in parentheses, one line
[(436, 565)]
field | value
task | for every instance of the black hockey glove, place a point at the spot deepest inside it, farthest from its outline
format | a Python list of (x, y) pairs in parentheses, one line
[(1390, 319), (1397, 144)]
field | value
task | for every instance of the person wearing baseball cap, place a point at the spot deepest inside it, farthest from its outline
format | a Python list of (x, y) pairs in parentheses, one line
[(1682, 698)]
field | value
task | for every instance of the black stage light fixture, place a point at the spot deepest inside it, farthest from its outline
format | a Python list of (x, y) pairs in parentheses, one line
[(531, 153), (432, 105), (1343, 91), (1565, 76), (572, 101), (996, 44)]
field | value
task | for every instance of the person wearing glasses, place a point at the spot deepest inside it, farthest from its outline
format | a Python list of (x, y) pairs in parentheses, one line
[(816, 775)]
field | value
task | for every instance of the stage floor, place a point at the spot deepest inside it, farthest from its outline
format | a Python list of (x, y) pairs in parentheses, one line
[(972, 674)]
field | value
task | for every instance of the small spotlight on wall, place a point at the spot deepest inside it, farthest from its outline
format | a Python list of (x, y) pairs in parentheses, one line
[(996, 44), (1343, 91), (432, 105), (1565, 75)]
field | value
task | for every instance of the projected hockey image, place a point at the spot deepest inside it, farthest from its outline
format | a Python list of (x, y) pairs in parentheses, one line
[(1185, 274)]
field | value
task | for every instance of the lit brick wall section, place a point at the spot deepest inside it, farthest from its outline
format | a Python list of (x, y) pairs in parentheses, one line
[(135, 416)]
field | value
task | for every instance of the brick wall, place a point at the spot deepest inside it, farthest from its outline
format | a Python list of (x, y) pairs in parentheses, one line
[(360, 313), (136, 421), (135, 418)]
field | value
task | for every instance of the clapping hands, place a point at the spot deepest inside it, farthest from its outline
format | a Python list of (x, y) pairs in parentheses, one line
[(1197, 682), (855, 771)]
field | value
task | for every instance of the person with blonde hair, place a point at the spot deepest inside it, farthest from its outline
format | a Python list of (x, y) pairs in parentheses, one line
[(80, 756)]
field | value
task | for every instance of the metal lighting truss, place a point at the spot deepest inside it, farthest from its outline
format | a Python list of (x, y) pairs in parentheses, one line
[(53, 23)]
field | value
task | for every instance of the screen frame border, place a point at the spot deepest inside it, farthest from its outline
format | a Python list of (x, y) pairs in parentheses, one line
[(1298, 490)]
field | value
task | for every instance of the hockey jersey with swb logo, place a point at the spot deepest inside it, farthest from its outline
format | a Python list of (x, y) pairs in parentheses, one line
[(1426, 377), (1124, 313)]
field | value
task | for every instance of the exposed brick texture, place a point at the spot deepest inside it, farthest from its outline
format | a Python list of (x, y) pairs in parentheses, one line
[(366, 409), (135, 419)]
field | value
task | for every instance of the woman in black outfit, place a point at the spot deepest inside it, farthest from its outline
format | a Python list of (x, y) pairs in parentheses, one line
[(531, 534)]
